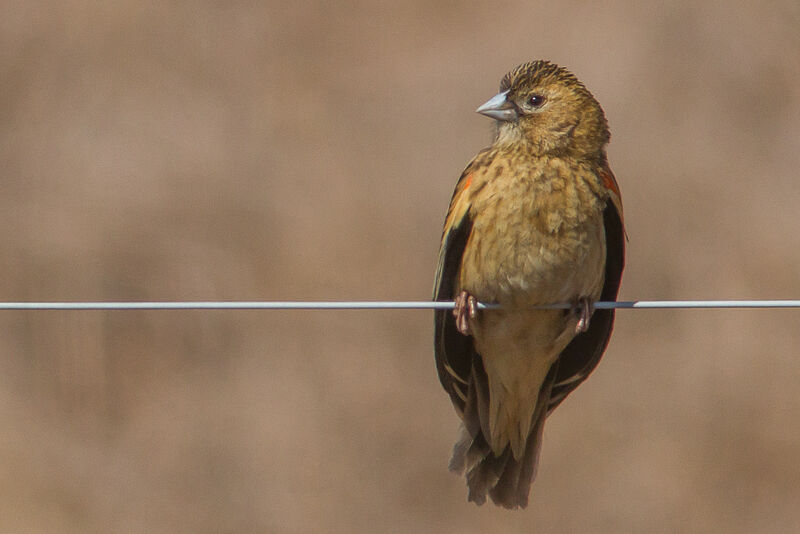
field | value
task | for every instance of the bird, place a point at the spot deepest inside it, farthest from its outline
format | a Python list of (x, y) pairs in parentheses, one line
[(535, 219)]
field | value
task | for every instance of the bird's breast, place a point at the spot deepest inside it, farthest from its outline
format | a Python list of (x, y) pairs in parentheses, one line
[(537, 235)]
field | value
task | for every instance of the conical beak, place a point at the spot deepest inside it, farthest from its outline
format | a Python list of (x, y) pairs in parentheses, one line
[(499, 108)]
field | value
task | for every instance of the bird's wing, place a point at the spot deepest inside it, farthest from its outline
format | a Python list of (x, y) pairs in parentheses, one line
[(583, 353), (454, 352)]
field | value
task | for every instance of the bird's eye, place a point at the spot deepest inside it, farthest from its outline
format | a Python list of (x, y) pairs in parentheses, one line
[(536, 101)]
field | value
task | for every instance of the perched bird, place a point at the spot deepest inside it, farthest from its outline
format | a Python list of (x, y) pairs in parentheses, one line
[(535, 219)]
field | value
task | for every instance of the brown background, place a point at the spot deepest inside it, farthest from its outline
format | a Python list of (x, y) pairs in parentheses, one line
[(245, 150)]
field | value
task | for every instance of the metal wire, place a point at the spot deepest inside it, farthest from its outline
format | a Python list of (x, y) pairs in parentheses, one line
[(381, 305)]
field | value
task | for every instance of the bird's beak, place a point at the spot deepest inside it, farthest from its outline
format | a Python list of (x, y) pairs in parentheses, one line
[(498, 107)]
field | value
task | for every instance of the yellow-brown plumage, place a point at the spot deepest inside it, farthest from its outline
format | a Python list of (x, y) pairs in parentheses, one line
[(535, 219)]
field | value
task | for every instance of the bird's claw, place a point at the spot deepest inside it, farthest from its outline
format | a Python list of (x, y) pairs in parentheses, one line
[(584, 308), (466, 308)]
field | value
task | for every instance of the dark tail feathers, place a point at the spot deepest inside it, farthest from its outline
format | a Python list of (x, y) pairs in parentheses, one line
[(506, 479)]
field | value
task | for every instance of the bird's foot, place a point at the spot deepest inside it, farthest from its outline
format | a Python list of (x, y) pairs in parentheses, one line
[(584, 308), (466, 308)]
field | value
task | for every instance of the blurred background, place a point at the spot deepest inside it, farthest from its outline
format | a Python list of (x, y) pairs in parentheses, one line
[(308, 150)]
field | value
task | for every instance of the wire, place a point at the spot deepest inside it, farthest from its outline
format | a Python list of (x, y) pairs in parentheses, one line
[(381, 305)]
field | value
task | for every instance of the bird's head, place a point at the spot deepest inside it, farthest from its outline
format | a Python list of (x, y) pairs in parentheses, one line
[(544, 108)]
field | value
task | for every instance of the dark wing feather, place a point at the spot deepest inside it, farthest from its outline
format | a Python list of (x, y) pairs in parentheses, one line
[(583, 353), (453, 350)]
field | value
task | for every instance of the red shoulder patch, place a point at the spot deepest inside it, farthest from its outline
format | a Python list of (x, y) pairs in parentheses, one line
[(609, 181), (467, 181)]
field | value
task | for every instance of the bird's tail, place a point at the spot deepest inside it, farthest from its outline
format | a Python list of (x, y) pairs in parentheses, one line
[(507, 480)]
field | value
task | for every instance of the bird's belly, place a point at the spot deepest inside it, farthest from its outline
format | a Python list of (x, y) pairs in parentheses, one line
[(514, 262)]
